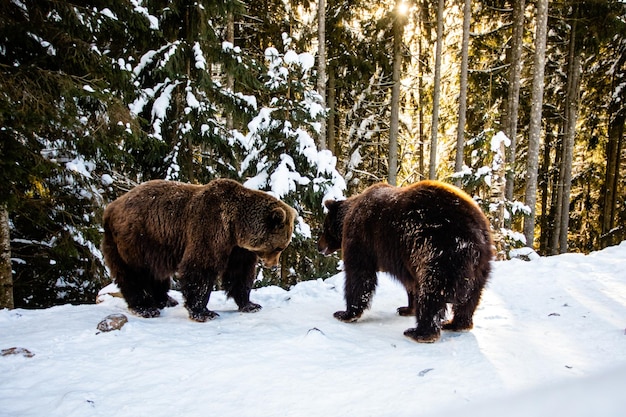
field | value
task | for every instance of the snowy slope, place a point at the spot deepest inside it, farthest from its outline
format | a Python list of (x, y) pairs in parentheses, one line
[(549, 339)]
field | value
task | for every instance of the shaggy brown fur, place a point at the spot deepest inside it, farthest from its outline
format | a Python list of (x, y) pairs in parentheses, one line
[(431, 236), (200, 233)]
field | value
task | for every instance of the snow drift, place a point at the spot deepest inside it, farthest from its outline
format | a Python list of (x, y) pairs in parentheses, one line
[(549, 338)]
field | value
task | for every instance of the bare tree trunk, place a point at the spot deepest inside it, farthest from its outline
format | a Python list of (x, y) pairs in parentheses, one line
[(6, 273), (321, 65), (460, 133), (420, 112), (614, 146), (534, 130), (571, 116), (230, 80), (556, 195), (432, 171), (331, 131), (544, 182), (394, 125), (515, 71)]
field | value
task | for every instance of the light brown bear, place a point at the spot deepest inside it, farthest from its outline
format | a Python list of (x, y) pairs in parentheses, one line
[(198, 233)]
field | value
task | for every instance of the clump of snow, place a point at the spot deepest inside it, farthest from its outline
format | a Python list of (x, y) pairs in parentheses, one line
[(548, 340), (81, 166), (498, 139), (199, 56)]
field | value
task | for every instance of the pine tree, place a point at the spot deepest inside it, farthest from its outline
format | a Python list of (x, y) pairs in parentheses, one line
[(61, 111)]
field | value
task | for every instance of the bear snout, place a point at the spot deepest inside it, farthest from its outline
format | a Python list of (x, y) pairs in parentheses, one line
[(271, 261), (324, 248)]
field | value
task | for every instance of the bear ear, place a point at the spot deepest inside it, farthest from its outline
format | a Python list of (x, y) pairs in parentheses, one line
[(330, 203), (277, 216)]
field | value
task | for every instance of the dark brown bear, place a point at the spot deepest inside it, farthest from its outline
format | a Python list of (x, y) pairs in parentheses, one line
[(431, 236), (199, 233)]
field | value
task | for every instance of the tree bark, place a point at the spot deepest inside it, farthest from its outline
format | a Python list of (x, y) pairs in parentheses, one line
[(432, 171), (534, 130), (614, 146), (571, 116), (6, 272), (460, 133), (331, 131), (512, 108), (321, 65), (394, 125)]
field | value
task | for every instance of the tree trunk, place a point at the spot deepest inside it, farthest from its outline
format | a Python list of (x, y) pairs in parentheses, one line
[(394, 125), (230, 80), (571, 116), (545, 225), (512, 106), (321, 65), (534, 130), (460, 133), (331, 130), (614, 146), (6, 273), (432, 171)]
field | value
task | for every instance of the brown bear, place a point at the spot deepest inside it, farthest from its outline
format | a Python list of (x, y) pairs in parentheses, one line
[(198, 233), (430, 236)]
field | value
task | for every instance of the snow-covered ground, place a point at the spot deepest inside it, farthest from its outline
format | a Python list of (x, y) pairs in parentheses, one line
[(549, 339)]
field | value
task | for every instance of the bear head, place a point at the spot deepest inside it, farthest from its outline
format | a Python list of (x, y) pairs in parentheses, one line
[(332, 231), (269, 232)]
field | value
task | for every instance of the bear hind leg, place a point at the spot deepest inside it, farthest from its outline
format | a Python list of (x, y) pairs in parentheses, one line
[(428, 329), (463, 313), (430, 308), (137, 287), (239, 278)]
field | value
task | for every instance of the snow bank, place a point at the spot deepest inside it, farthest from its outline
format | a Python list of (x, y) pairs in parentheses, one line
[(548, 340)]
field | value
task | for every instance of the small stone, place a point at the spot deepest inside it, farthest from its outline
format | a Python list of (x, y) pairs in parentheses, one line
[(17, 351), (112, 322)]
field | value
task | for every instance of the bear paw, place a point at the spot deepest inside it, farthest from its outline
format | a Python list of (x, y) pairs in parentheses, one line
[(346, 316), (250, 308), (146, 312), (422, 337), (458, 326), (170, 302), (406, 311), (203, 316)]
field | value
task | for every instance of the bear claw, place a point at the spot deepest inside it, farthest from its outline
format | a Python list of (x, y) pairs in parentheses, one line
[(406, 311), (457, 327), (420, 337), (250, 308), (346, 316), (146, 312), (203, 316)]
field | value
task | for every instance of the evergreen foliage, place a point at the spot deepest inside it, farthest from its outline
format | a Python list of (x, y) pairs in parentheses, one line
[(96, 96)]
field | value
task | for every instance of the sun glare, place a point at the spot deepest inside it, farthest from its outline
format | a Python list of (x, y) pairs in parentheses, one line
[(403, 8)]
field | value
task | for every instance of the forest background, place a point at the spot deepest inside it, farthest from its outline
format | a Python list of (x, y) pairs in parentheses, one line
[(520, 103)]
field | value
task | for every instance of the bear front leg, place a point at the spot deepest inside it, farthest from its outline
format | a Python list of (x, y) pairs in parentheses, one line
[(359, 287), (410, 309), (196, 286), (239, 278)]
